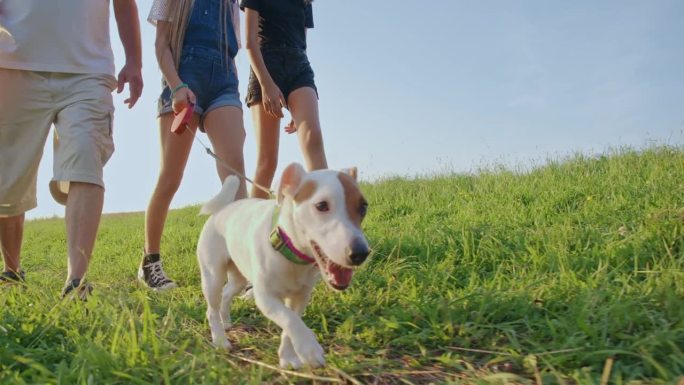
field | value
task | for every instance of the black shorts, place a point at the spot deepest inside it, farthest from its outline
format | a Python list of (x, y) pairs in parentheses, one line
[(289, 68)]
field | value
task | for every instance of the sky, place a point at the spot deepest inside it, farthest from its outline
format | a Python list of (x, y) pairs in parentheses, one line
[(408, 89)]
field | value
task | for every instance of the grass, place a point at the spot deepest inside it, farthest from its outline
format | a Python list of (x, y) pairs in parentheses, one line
[(572, 273)]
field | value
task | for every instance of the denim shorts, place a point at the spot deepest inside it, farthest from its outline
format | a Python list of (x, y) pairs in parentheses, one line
[(289, 68), (210, 76)]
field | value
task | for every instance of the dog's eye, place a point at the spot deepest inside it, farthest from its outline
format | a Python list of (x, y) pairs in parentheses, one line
[(322, 206), (363, 208)]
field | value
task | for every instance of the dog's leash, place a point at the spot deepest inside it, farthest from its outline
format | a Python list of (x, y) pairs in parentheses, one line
[(211, 153)]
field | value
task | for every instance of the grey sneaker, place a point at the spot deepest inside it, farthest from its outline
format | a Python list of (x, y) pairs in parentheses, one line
[(10, 277), (152, 274), (77, 288)]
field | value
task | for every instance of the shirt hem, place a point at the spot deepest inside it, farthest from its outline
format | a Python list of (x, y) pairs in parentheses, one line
[(38, 67)]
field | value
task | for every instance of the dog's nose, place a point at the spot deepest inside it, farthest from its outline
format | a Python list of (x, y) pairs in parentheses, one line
[(358, 252)]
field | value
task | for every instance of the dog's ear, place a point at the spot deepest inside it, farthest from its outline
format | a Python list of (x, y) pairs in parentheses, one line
[(352, 172), (290, 181)]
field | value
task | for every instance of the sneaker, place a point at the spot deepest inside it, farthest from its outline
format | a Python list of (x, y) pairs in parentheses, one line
[(152, 274), (77, 288), (10, 277)]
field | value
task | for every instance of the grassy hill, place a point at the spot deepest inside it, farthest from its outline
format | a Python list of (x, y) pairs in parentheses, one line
[(570, 273)]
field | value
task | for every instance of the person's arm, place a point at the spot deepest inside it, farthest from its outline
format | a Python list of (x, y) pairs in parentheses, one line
[(162, 48), (126, 14), (271, 96)]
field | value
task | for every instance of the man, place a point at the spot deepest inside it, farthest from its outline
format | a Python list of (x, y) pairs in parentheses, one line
[(57, 67)]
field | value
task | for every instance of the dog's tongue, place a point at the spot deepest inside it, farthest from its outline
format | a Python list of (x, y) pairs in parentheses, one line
[(341, 275)]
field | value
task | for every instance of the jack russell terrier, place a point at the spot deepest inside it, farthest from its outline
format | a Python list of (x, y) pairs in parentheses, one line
[(282, 246)]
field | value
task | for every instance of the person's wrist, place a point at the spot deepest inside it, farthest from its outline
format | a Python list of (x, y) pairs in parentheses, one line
[(269, 84), (135, 62), (177, 88)]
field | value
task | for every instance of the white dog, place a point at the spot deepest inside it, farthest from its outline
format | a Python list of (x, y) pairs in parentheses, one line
[(282, 247)]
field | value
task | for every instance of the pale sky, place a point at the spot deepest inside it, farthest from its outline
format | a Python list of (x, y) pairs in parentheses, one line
[(449, 86)]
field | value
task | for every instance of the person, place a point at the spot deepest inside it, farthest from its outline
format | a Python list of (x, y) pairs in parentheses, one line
[(57, 67), (195, 44), (281, 76)]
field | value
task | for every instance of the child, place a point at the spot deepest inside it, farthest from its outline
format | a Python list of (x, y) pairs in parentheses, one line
[(281, 76), (195, 46)]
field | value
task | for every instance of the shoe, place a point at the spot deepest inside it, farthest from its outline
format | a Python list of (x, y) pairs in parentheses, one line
[(152, 274), (10, 277), (77, 288)]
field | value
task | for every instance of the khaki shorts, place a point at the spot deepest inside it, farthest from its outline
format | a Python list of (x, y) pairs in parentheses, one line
[(81, 108)]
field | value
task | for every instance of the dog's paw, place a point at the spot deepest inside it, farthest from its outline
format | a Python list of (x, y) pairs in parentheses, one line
[(290, 361), (287, 355), (310, 352), (222, 343)]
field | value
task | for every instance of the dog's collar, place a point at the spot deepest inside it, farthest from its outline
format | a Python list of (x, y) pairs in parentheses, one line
[(281, 242)]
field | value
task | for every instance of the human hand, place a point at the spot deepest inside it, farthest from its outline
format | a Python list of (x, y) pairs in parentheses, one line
[(273, 100), (291, 128), (181, 98), (131, 74)]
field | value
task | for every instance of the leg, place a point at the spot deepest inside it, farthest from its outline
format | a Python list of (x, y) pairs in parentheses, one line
[(25, 120), (11, 235), (236, 283), (302, 338), (268, 138), (227, 134), (83, 144), (214, 262), (213, 279), (286, 353), (83, 210), (174, 156), (303, 105)]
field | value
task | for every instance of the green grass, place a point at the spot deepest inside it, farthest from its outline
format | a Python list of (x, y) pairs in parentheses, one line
[(500, 277)]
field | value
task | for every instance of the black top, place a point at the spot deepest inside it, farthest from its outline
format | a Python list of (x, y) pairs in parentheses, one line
[(282, 23)]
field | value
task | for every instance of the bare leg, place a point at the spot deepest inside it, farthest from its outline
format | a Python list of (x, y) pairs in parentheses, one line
[(174, 156), (11, 235), (268, 139), (227, 134), (83, 211), (303, 105)]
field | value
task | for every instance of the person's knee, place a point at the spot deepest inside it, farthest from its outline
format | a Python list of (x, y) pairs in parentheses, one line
[(168, 184), (240, 137), (312, 136), (267, 164)]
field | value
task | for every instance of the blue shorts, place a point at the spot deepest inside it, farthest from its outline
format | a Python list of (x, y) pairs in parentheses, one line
[(210, 76)]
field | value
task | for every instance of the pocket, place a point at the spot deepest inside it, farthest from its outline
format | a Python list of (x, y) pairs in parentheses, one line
[(185, 59)]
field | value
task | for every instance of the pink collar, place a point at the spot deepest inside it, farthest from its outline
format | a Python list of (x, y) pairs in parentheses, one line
[(283, 243)]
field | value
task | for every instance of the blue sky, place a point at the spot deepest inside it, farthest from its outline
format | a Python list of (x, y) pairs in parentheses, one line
[(407, 89)]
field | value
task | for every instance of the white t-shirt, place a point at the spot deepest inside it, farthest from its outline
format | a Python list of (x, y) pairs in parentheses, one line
[(69, 36)]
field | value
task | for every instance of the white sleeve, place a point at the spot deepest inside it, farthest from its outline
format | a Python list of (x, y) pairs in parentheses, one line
[(161, 11)]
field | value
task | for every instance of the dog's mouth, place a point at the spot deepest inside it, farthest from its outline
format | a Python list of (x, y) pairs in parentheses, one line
[(337, 276)]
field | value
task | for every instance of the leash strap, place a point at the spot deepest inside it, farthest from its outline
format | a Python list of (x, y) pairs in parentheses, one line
[(234, 171)]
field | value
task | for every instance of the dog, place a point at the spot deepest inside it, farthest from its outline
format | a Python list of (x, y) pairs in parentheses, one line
[(282, 246)]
